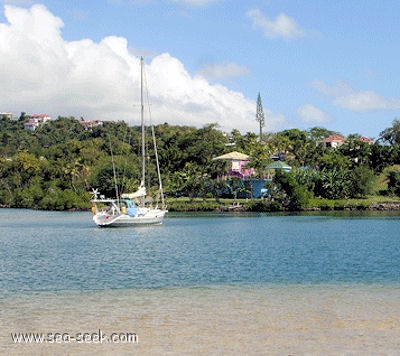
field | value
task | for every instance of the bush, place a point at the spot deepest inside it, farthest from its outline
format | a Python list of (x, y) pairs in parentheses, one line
[(363, 180), (296, 196), (394, 182)]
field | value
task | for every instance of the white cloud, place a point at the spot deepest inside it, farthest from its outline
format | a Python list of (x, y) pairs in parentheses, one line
[(275, 122), (311, 114), (364, 100), (281, 27), (42, 72), (218, 71)]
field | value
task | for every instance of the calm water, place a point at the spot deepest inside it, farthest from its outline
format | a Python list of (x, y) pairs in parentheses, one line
[(205, 284)]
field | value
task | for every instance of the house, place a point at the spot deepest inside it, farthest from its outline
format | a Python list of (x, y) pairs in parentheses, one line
[(333, 141), (7, 115), (278, 165), (35, 121), (238, 164), (337, 140), (90, 124), (368, 140)]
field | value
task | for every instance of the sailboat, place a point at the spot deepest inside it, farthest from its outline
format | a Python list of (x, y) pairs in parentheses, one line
[(131, 209)]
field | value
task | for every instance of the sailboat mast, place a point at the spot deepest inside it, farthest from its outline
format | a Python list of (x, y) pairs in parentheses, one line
[(143, 126)]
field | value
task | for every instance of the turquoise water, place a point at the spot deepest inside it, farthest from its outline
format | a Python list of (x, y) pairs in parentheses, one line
[(212, 284), (52, 251)]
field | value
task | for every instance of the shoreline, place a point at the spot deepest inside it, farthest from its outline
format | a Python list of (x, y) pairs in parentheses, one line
[(261, 206), (257, 205)]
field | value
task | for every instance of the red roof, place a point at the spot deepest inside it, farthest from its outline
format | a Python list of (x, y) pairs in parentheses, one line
[(366, 139), (334, 138), (39, 115)]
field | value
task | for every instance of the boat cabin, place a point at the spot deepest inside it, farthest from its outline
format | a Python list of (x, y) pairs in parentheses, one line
[(114, 207)]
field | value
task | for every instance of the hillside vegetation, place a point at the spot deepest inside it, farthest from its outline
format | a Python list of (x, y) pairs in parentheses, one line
[(57, 165)]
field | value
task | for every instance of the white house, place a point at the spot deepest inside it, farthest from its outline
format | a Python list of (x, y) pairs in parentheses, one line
[(89, 124), (35, 121), (333, 141), (7, 115)]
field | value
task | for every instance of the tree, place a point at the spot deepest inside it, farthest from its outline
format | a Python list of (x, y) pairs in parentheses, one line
[(362, 181), (317, 134), (217, 187), (242, 142), (237, 186), (259, 157), (356, 150), (296, 196), (381, 156), (333, 159), (189, 180), (26, 165), (391, 135), (333, 183), (394, 182), (22, 117), (75, 170)]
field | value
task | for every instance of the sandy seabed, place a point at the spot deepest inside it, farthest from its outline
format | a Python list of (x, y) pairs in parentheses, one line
[(231, 320)]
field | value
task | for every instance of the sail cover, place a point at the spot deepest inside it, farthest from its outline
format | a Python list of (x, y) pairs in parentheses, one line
[(141, 192)]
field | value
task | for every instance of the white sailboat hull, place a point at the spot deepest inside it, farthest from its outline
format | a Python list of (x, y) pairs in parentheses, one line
[(148, 217)]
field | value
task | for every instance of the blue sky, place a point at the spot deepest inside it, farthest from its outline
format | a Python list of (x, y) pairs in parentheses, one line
[(316, 63)]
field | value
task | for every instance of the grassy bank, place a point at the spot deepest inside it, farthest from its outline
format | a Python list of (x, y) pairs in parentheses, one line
[(377, 202)]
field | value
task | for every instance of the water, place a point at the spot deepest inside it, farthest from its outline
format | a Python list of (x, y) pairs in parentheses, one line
[(206, 283)]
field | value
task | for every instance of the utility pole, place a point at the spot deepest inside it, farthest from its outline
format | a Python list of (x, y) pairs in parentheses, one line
[(260, 118)]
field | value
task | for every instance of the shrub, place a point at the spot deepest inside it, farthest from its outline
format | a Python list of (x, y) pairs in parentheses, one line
[(296, 196), (362, 179), (394, 182)]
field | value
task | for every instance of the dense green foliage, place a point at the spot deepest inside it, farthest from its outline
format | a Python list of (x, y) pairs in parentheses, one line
[(394, 182), (296, 195), (57, 165)]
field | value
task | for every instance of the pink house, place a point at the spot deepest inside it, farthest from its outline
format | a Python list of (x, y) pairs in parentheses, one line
[(238, 164)]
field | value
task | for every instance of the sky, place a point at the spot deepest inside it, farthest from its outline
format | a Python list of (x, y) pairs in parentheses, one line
[(331, 64)]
